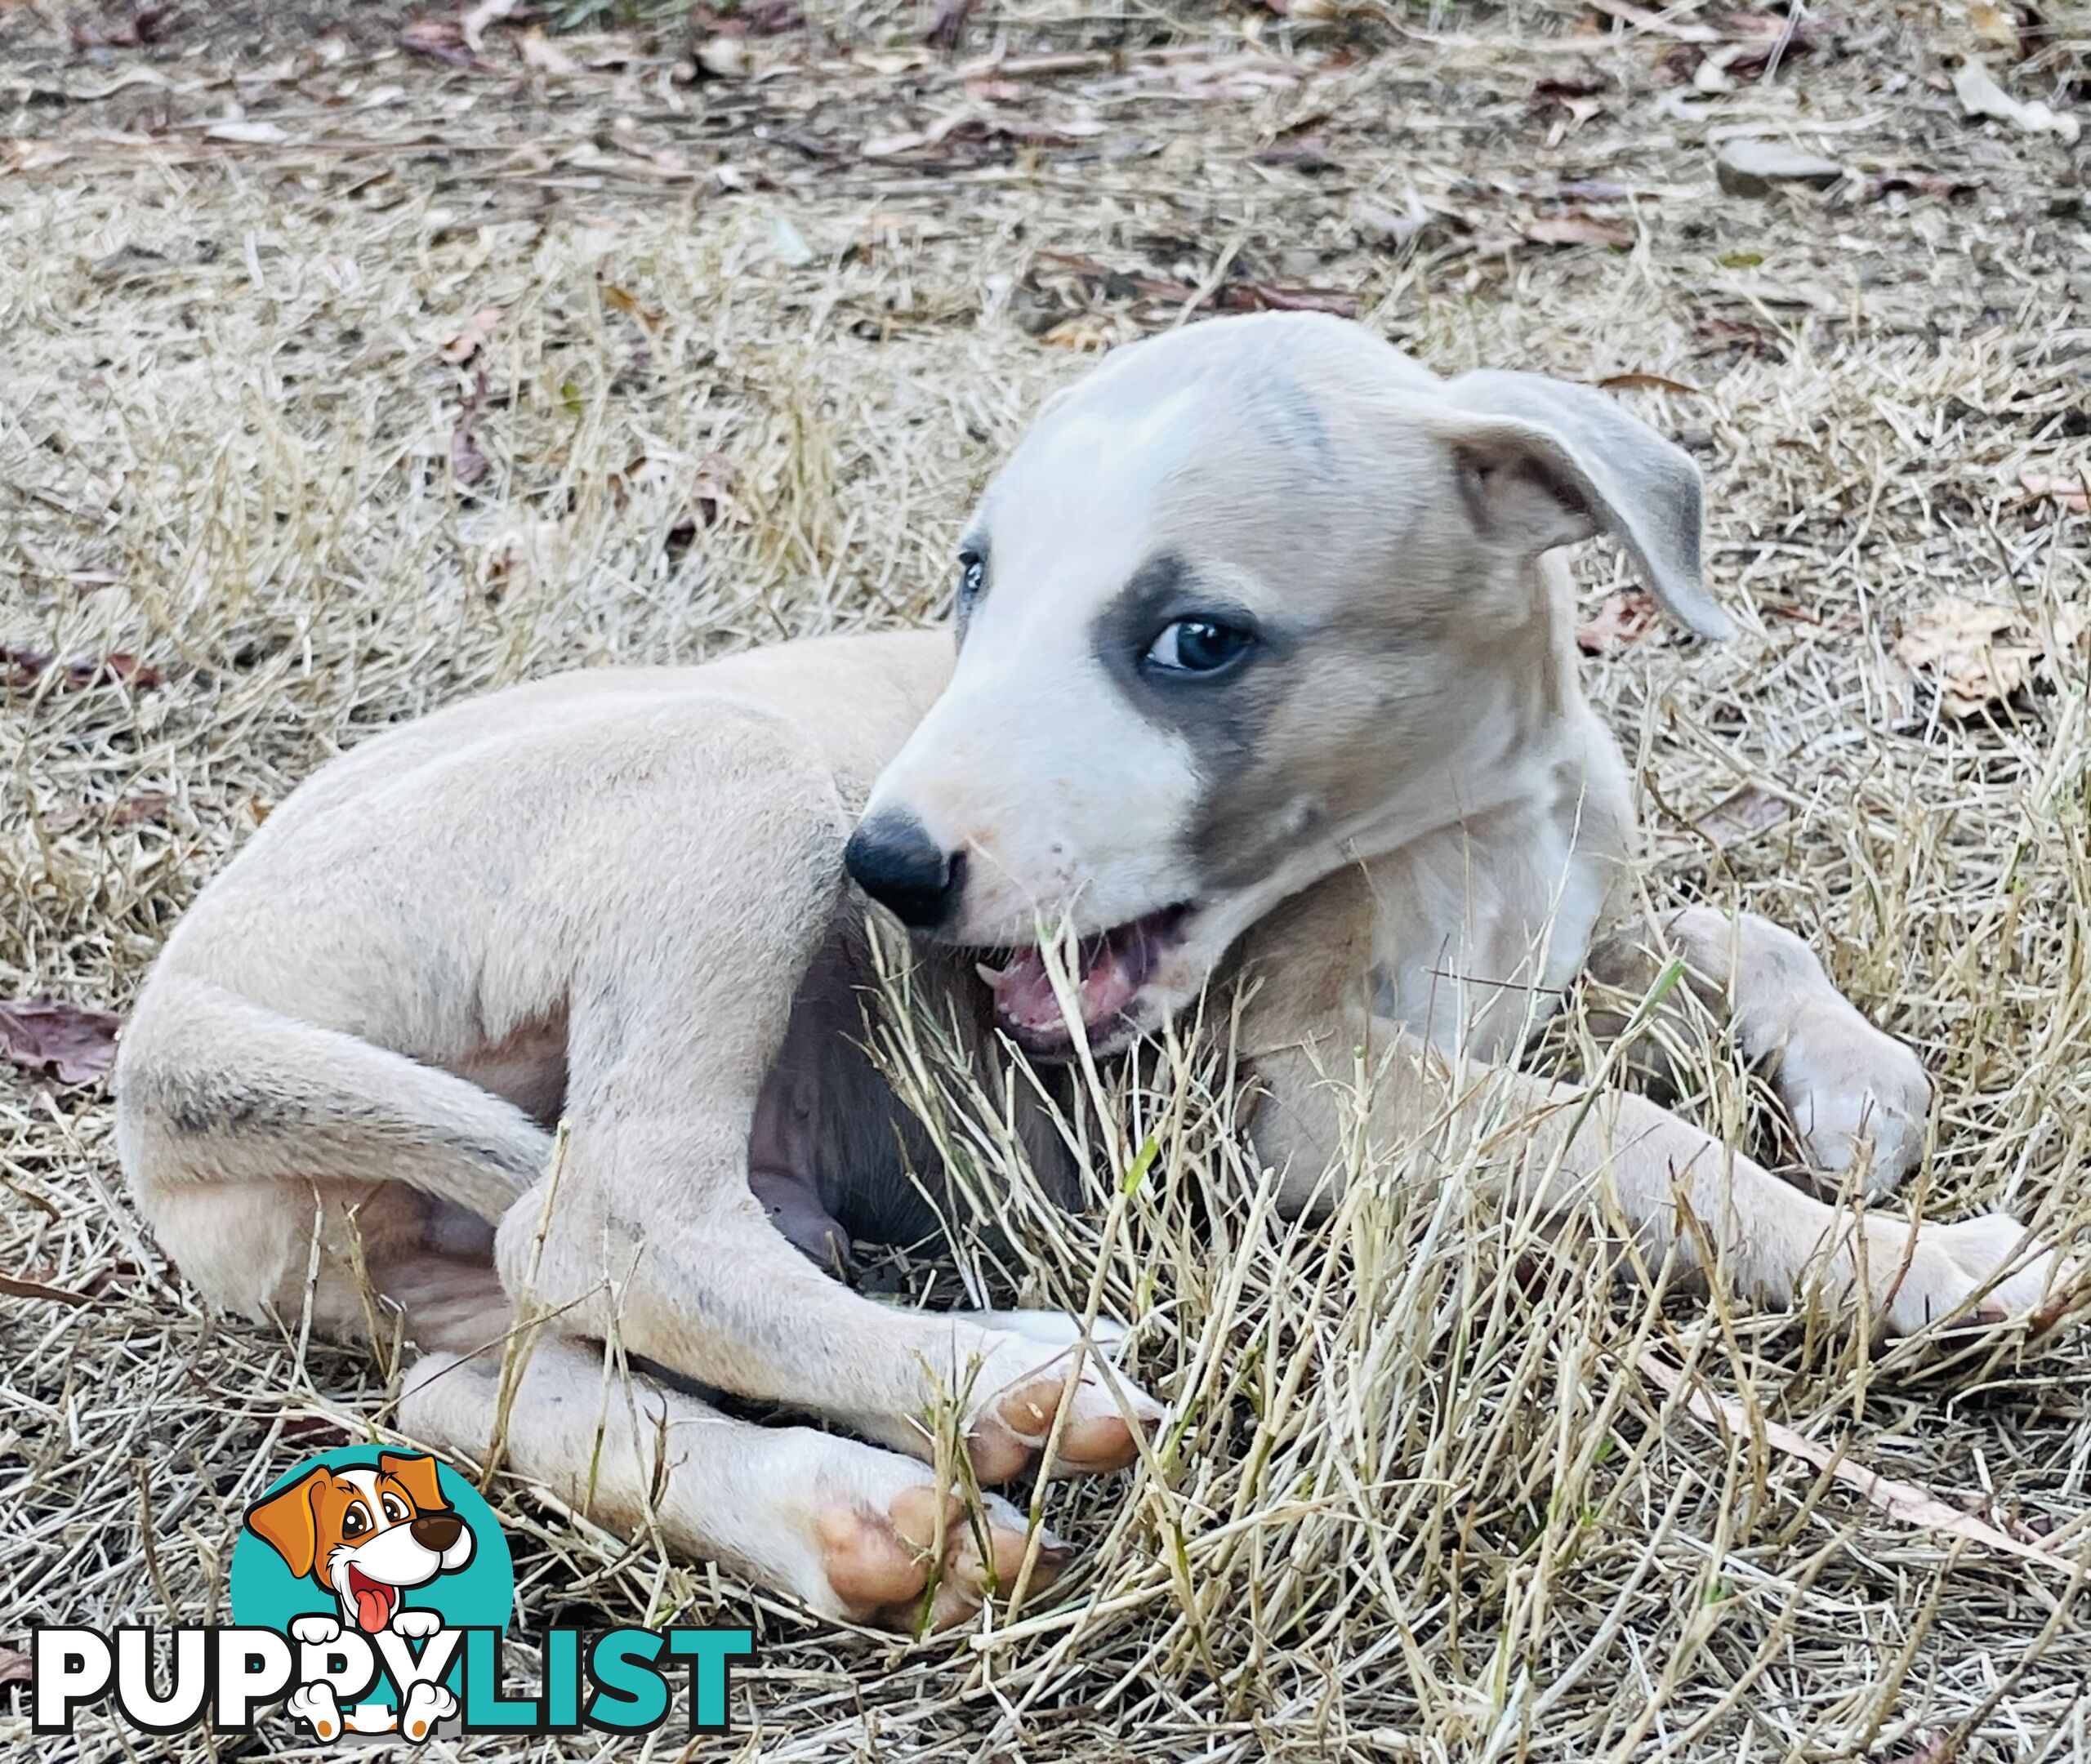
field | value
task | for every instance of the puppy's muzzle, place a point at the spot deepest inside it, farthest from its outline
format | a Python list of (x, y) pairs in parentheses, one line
[(436, 1531), (892, 859)]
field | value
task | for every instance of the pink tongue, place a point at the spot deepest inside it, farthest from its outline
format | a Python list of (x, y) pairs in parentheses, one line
[(1024, 995), (372, 1608)]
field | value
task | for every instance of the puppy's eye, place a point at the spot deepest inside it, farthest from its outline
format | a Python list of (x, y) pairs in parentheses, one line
[(354, 1522), (972, 577), (395, 1509), (1197, 646)]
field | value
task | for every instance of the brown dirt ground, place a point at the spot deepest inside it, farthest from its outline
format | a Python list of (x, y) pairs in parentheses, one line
[(770, 303)]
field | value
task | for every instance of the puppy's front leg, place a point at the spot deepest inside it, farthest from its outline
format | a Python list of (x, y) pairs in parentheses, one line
[(661, 1243), (1858, 1098), (849, 1530), (1685, 1196)]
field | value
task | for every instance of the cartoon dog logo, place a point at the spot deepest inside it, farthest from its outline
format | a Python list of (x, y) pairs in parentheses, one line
[(366, 1535)]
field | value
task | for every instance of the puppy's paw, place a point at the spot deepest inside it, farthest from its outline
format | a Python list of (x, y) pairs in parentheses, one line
[(414, 1624), (314, 1703), (923, 1560), (425, 1705), (1938, 1270), (1107, 1416), (1858, 1098), (315, 1631)]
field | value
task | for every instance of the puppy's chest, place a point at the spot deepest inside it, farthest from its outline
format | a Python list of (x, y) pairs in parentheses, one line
[(1476, 933)]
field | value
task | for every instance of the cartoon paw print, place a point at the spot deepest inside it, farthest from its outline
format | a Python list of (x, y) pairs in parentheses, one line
[(426, 1703), (415, 1624), (314, 1703)]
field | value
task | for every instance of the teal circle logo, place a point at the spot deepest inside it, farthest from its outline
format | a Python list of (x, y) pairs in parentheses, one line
[(365, 1553)]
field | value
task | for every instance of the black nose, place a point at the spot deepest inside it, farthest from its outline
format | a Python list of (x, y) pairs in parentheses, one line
[(895, 862), (436, 1531)]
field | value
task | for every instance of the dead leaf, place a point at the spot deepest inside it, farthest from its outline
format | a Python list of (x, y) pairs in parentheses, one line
[(1574, 227), (472, 27), (1914, 182), (628, 303), (148, 807), (468, 464), (1086, 333), (73, 1043), (1976, 656), (1738, 334), (1624, 619), (948, 25), (762, 18), (471, 337), (1751, 811), (1303, 152), (1635, 380), (1905, 1501), (441, 39), (13, 1286), (1275, 297), (147, 25), (2072, 494), (14, 1666), (22, 668), (539, 52)]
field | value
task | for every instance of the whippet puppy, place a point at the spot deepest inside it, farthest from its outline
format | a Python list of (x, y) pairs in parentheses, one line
[(1264, 672)]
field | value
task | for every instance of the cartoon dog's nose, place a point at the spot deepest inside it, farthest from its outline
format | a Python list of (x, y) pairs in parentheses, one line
[(895, 862), (436, 1531)]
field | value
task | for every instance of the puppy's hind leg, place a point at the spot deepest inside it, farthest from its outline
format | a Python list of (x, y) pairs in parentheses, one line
[(1859, 1099), (850, 1530), (237, 1126)]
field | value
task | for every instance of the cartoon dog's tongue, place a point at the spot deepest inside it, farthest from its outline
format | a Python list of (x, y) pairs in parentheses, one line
[(373, 1599)]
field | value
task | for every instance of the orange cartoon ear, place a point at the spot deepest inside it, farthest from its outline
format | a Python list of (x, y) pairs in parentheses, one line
[(289, 1521), (415, 1471)]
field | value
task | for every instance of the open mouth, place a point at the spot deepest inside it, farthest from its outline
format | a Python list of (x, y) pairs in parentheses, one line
[(1110, 969), (374, 1602)]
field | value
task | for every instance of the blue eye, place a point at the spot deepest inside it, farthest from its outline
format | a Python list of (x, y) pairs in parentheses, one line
[(972, 577), (1197, 646)]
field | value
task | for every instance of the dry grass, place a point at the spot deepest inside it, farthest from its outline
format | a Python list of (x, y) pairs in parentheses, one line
[(1420, 1502)]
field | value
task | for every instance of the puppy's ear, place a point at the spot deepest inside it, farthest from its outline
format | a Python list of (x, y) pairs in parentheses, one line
[(414, 1471), (288, 1522), (1543, 462)]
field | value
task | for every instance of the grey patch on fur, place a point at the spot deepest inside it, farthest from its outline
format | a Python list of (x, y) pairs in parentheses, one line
[(1242, 821)]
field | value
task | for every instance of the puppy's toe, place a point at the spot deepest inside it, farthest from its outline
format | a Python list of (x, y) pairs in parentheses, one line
[(877, 1561), (1096, 1436), (982, 1557)]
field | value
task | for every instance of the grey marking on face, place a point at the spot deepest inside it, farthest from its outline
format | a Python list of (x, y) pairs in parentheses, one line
[(1288, 410), (1245, 809)]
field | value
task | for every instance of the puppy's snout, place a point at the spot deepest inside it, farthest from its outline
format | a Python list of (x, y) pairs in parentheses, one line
[(892, 859), (436, 1531)]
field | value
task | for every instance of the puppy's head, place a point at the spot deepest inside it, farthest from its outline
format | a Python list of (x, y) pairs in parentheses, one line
[(1255, 599), (366, 1534)]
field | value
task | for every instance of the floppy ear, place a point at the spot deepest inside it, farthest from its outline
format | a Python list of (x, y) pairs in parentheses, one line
[(288, 1522), (415, 1471), (1544, 462)]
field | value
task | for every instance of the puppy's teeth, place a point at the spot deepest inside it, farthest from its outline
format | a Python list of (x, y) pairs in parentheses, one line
[(988, 971)]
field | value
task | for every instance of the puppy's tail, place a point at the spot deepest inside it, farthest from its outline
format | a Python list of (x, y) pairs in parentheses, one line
[(212, 1089)]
